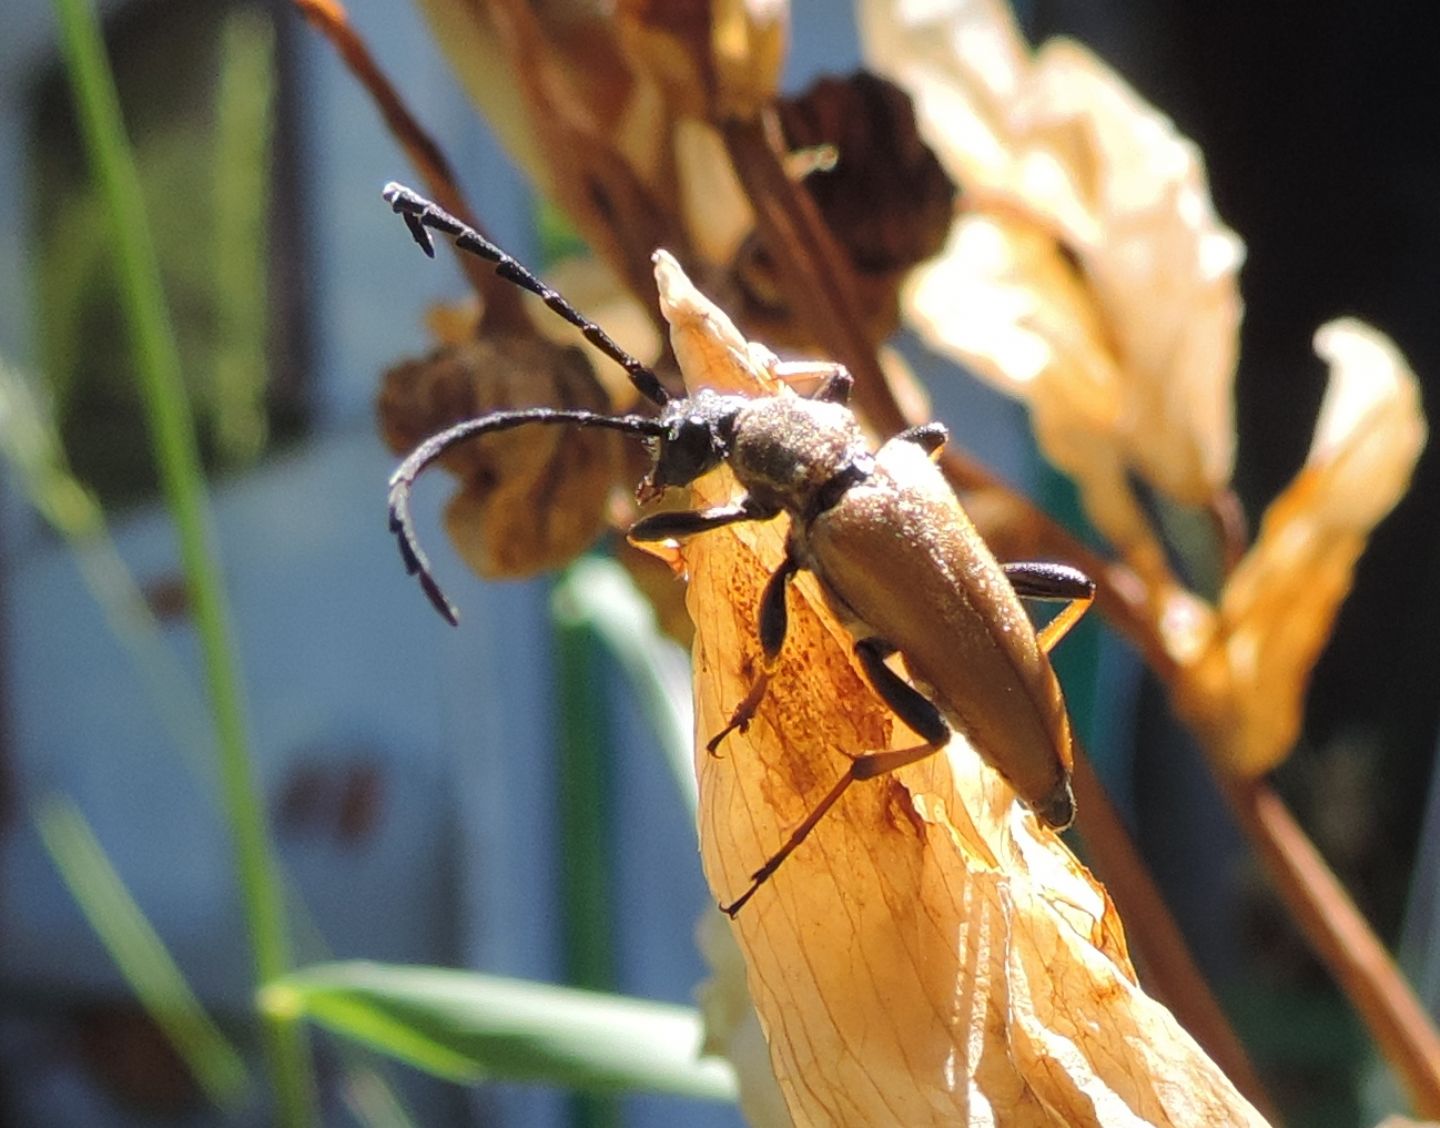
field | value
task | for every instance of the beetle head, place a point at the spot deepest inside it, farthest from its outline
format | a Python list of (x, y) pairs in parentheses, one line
[(696, 439)]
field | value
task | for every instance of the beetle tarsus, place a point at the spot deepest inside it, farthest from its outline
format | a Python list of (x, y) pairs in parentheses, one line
[(744, 713)]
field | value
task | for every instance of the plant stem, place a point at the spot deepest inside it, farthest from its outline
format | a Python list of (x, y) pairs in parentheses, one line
[(1342, 938)]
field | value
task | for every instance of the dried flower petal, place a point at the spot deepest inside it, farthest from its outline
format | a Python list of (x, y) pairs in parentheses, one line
[(1058, 141), (930, 955), (1006, 302), (732, 1029), (1279, 605), (530, 499)]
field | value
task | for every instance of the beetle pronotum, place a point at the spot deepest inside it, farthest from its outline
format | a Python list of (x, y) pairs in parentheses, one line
[(896, 556)]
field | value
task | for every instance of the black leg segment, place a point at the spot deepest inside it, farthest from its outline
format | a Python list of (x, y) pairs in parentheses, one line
[(774, 623), (1036, 579), (907, 702), (679, 523), (1055, 582), (930, 437)]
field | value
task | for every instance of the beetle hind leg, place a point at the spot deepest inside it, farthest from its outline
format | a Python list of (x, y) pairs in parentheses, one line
[(911, 706), (1056, 582)]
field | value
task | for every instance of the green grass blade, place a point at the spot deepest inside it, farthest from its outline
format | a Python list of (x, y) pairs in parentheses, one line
[(470, 1027), (173, 438), (597, 593), (138, 951)]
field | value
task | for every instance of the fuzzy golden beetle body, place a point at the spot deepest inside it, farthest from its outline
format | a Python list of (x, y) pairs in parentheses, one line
[(900, 561), (894, 551)]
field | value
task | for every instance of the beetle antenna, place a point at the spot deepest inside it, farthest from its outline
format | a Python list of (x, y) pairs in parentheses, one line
[(420, 213), (401, 524)]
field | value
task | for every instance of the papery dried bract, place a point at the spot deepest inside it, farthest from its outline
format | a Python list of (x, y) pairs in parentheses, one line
[(1278, 608), (531, 499), (930, 955), (1056, 142)]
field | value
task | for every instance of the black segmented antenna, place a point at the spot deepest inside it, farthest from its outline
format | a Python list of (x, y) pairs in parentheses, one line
[(419, 213), (416, 562)]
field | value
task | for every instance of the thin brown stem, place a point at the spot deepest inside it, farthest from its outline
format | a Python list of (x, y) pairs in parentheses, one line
[(501, 301), (1343, 939)]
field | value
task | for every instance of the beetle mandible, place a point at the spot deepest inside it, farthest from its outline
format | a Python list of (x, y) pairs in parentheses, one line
[(897, 557)]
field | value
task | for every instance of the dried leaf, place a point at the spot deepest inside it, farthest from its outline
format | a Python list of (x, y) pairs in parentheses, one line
[(930, 954), (1279, 605), (1004, 300)]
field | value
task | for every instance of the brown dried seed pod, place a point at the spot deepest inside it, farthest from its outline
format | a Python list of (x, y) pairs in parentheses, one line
[(887, 198), (530, 500)]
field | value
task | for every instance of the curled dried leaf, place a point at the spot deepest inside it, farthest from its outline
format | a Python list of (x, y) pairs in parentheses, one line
[(530, 499), (931, 954), (1279, 605)]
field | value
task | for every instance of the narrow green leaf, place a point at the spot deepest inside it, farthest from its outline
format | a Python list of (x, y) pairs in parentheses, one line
[(469, 1027), (138, 951), (173, 438)]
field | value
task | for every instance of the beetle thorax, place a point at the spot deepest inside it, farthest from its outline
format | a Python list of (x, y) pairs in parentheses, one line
[(786, 451)]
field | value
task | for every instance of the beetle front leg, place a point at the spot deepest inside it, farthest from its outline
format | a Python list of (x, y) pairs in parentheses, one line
[(774, 624), (1056, 582), (912, 707), (835, 379), (674, 524)]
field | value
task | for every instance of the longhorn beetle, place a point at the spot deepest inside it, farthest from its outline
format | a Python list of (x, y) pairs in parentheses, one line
[(897, 557)]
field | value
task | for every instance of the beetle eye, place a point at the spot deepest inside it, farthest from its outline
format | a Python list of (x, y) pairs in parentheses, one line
[(688, 450)]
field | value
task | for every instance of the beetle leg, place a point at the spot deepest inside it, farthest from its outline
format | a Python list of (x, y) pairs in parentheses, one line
[(674, 524), (774, 623), (835, 379), (1037, 580), (912, 707), (930, 436)]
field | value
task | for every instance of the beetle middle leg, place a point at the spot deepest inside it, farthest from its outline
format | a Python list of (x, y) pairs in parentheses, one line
[(911, 706), (774, 624), (1057, 582), (774, 617)]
